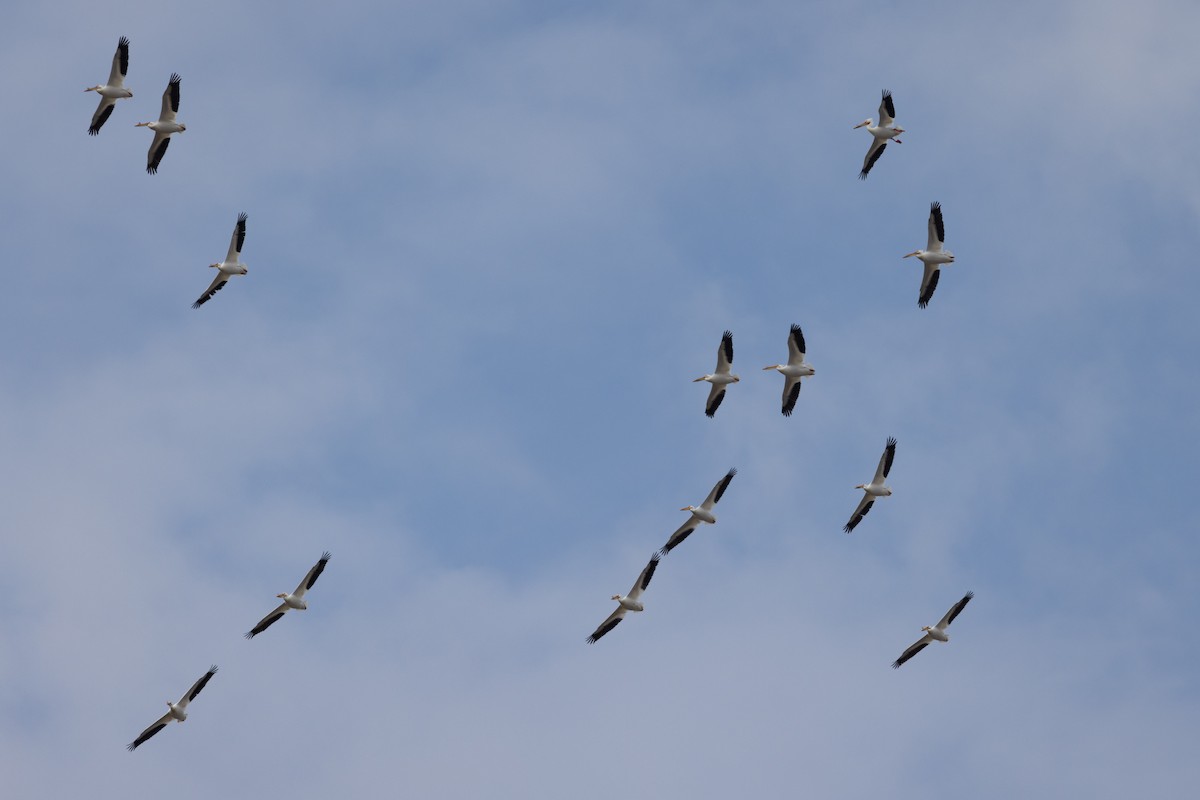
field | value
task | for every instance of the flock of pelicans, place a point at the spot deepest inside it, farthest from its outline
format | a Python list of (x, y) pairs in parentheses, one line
[(932, 257)]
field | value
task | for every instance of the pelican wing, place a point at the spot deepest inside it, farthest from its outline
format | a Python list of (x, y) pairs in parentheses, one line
[(937, 230), (887, 111), (158, 725), (913, 649), (954, 611), (312, 575), (725, 354), (682, 532), (120, 65), (885, 461), (864, 507), (929, 282), (718, 491), (715, 395), (796, 346), (170, 100), (614, 619), (158, 149), (873, 154), (791, 393), (198, 686), (237, 240), (103, 112), (267, 621), (212, 289), (643, 579)]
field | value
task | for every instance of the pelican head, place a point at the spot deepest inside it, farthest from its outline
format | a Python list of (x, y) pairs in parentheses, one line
[(702, 378), (926, 628), (140, 124), (281, 595), (688, 508), (735, 378), (214, 266), (616, 597), (866, 123), (93, 89), (861, 486)]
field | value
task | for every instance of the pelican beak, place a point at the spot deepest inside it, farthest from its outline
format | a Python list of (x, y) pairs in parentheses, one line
[(773, 366), (859, 125), (697, 380), (913, 253)]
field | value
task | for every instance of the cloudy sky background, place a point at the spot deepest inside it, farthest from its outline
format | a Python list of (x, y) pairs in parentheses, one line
[(490, 244)]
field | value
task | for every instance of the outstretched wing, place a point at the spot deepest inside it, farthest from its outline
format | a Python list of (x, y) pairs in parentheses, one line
[(614, 619), (929, 282), (213, 288), (158, 149), (120, 64), (864, 506), (885, 460), (887, 111), (170, 100), (791, 393), (954, 611), (267, 621), (715, 395), (873, 154), (937, 230), (158, 725), (103, 112), (913, 649), (237, 240)]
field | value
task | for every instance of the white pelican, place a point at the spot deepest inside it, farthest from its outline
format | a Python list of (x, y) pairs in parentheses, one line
[(164, 126), (699, 515), (722, 377), (112, 91), (876, 488), (176, 711), (933, 256), (629, 602), (793, 370), (294, 600), (232, 265), (886, 129), (936, 633)]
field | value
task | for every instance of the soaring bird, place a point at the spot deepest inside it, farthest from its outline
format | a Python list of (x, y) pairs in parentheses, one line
[(176, 711), (702, 514), (933, 256), (164, 126), (876, 488), (795, 368), (232, 265), (629, 602), (936, 633), (722, 377), (294, 600), (112, 91), (886, 129)]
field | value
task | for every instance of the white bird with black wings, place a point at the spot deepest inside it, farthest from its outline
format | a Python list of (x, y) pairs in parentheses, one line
[(722, 377), (294, 600), (795, 368), (165, 126), (112, 91), (876, 488), (886, 129), (232, 265), (700, 515), (935, 634), (933, 256), (629, 602), (176, 711)]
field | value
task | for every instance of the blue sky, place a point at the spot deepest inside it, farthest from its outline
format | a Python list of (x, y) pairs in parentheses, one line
[(490, 245)]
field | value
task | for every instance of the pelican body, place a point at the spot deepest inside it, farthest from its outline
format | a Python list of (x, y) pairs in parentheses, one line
[(176, 712), (112, 91), (291, 600), (165, 126), (699, 514), (794, 370), (933, 256), (722, 377), (881, 134), (232, 265), (934, 633), (876, 488), (628, 602)]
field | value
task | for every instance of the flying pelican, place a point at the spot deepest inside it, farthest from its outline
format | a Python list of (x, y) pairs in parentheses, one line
[(936, 633), (793, 370), (629, 602), (885, 130), (875, 488), (722, 377), (699, 515), (164, 126), (294, 600), (112, 91), (933, 256), (176, 711), (232, 265)]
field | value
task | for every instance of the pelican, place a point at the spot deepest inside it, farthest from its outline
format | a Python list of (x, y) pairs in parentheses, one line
[(294, 600), (176, 711), (933, 256), (699, 515), (936, 633), (232, 265), (112, 91), (886, 129), (722, 377), (793, 370), (164, 126), (876, 488), (629, 602)]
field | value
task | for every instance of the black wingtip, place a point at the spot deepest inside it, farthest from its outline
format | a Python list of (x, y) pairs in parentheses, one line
[(175, 78), (123, 41), (326, 555), (731, 473), (131, 746), (242, 217), (249, 635), (891, 441), (896, 664)]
